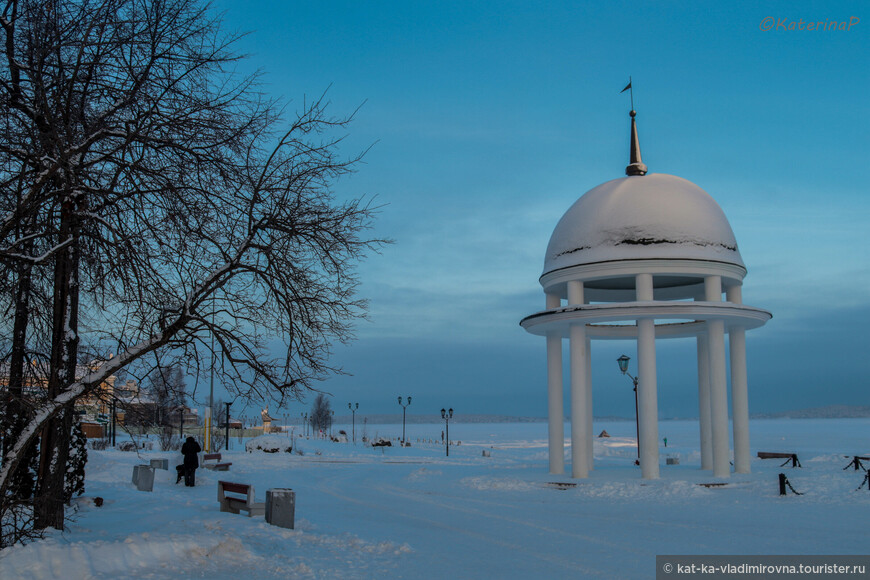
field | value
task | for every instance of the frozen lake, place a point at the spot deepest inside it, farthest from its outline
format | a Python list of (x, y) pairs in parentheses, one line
[(366, 512)]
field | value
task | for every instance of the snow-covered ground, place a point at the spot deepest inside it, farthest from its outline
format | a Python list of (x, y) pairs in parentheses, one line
[(393, 512)]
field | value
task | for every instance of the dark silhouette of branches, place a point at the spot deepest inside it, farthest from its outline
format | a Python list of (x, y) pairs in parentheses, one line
[(158, 203)]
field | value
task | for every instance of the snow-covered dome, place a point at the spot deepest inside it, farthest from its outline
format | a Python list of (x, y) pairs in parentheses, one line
[(642, 217)]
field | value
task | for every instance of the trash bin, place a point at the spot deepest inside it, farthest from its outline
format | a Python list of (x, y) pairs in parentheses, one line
[(143, 477), (160, 464), (281, 507)]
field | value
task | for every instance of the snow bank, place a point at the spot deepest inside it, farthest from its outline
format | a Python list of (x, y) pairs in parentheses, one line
[(269, 444)]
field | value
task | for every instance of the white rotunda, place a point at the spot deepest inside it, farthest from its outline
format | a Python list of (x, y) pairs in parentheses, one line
[(642, 257)]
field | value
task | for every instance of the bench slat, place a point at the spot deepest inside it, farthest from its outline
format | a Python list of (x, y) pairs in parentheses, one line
[(787, 456), (217, 466), (235, 487)]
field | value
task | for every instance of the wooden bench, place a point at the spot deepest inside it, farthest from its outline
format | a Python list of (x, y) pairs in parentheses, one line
[(212, 461), (856, 461), (787, 456), (234, 504)]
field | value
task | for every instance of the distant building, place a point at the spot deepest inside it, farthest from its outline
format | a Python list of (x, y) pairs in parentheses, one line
[(131, 403), (92, 405)]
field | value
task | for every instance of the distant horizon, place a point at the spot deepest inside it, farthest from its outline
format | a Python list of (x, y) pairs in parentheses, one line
[(825, 412)]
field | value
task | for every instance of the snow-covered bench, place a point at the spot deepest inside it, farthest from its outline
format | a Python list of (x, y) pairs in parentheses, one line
[(213, 461), (787, 456), (234, 504)]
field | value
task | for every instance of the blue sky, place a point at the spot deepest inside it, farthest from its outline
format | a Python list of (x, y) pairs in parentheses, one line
[(489, 119)]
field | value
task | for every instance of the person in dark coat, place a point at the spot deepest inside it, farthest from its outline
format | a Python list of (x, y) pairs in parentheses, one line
[(190, 450)]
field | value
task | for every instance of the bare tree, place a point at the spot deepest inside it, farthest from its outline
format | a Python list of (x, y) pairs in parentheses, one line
[(218, 424), (168, 391), (173, 207), (321, 413)]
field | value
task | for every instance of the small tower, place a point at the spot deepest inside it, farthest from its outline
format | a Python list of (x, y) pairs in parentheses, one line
[(267, 420), (646, 257)]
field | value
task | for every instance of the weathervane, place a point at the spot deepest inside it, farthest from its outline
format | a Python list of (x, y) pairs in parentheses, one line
[(635, 166), (630, 92)]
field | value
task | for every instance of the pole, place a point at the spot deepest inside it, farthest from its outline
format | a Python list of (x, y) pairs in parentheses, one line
[(228, 426), (210, 388), (636, 420), (623, 366), (353, 419), (404, 407), (113, 422), (447, 446)]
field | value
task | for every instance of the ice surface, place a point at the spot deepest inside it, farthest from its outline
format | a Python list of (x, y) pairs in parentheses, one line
[(414, 513)]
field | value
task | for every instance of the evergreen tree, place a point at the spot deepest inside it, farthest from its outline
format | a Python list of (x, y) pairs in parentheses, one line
[(74, 485)]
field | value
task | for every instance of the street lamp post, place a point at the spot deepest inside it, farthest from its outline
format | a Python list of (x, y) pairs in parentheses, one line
[(208, 411), (623, 366), (447, 415), (353, 420), (404, 406), (113, 422), (227, 426)]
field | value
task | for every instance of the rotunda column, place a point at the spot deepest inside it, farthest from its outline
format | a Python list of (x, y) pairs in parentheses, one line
[(704, 402), (718, 382), (739, 389), (647, 396), (579, 386), (590, 434), (555, 411)]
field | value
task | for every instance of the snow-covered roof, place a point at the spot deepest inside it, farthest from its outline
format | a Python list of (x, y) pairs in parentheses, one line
[(653, 216)]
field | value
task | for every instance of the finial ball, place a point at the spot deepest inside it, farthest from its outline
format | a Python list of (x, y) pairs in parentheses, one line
[(632, 113)]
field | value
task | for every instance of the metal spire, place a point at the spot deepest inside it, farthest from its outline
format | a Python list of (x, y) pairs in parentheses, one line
[(635, 166)]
